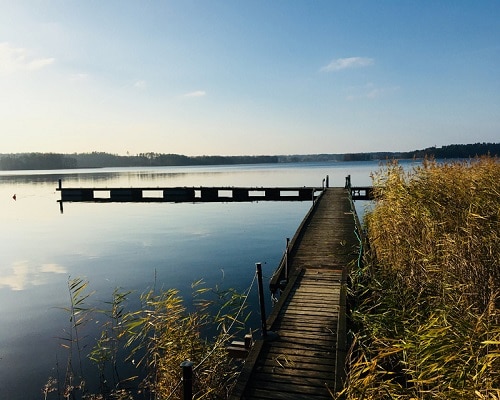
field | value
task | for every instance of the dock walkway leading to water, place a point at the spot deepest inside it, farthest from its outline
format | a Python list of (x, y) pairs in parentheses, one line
[(303, 356)]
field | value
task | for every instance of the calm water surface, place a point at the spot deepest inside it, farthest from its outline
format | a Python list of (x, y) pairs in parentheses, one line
[(127, 245)]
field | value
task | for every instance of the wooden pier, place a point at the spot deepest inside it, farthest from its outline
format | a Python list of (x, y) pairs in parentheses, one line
[(200, 194), (187, 194), (303, 354)]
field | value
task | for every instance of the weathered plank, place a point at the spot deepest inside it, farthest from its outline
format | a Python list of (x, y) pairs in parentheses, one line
[(305, 358)]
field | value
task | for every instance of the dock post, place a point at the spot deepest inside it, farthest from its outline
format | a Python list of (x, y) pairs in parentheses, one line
[(187, 380), (61, 208), (248, 341), (327, 181), (348, 182), (261, 300), (286, 258)]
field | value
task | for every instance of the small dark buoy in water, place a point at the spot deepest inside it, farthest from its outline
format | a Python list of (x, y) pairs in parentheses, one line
[(14, 197)]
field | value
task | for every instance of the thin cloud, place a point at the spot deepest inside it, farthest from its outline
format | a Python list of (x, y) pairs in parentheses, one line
[(346, 63), (197, 93), (39, 63), (14, 59), (141, 84), (79, 77), (370, 91)]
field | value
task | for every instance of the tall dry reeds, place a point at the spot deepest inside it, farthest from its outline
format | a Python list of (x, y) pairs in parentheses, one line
[(427, 301), (155, 338)]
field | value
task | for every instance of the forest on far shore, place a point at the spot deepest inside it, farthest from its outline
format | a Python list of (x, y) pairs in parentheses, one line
[(43, 161)]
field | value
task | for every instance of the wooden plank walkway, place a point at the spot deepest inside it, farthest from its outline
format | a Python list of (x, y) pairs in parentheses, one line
[(305, 357)]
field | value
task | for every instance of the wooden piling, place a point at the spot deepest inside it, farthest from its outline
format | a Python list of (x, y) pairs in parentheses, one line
[(262, 303)]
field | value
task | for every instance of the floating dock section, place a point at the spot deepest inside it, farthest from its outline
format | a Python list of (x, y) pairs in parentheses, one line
[(187, 194)]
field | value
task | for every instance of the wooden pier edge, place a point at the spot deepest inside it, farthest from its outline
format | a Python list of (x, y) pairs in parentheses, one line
[(341, 356), (239, 389)]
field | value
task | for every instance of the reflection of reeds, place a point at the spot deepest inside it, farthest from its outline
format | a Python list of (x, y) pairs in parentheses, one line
[(427, 302)]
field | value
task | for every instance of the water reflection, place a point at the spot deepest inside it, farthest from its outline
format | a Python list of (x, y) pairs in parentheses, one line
[(235, 175), (23, 275)]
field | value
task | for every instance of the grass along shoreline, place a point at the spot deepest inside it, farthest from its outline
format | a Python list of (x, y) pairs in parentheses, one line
[(137, 353), (425, 306)]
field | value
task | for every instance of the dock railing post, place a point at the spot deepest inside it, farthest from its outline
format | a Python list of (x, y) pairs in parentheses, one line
[(327, 181), (61, 208), (261, 300), (348, 182), (187, 380), (286, 258)]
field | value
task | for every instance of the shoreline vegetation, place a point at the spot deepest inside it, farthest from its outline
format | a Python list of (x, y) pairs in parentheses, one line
[(137, 353), (425, 304), (50, 161)]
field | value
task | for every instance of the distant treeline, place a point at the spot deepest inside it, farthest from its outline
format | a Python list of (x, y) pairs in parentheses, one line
[(31, 161), (445, 152), (459, 151)]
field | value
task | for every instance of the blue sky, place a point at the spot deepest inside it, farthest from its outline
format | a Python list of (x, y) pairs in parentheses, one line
[(247, 77)]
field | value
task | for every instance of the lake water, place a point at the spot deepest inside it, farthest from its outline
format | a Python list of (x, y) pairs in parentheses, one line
[(129, 245)]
